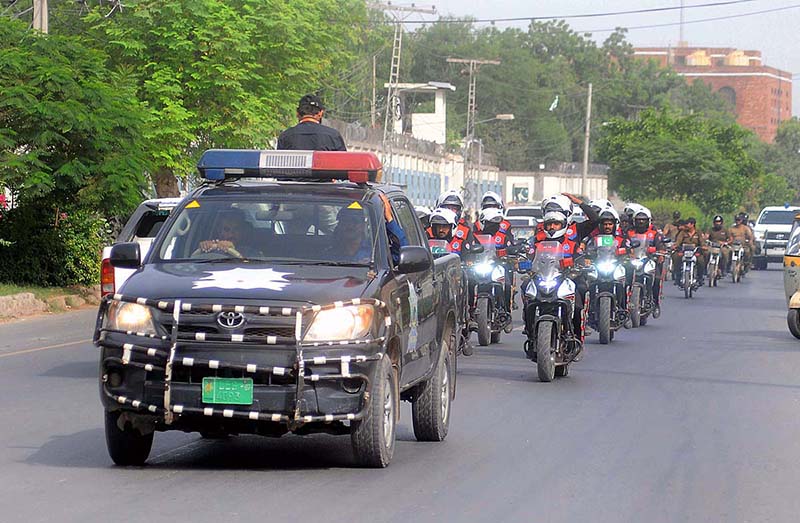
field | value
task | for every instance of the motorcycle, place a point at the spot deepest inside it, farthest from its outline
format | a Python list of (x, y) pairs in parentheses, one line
[(549, 304), (641, 302), (737, 261), (689, 282), (607, 289), (714, 271), (487, 277)]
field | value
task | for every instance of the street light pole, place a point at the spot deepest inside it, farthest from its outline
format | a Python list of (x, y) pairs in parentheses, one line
[(585, 170)]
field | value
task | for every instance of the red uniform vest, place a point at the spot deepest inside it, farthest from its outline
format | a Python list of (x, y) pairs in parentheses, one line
[(569, 248), (572, 232), (457, 241), (651, 234)]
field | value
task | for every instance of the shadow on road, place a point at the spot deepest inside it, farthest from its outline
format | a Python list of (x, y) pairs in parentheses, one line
[(84, 449), (691, 379), (75, 369)]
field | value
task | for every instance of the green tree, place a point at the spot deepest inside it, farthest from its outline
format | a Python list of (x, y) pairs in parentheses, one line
[(70, 129), (223, 73), (665, 154)]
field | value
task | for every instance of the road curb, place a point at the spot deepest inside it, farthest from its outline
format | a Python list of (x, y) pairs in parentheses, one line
[(26, 303)]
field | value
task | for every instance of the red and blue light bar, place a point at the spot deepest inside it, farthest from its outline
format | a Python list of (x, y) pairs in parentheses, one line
[(359, 167)]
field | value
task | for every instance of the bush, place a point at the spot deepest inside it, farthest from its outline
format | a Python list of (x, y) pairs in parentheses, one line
[(662, 210), (48, 250)]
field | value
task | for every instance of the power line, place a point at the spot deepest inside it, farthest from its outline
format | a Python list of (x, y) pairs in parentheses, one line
[(581, 15), (699, 20)]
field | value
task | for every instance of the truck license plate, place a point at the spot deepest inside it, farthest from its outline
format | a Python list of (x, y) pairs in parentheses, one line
[(228, 391)]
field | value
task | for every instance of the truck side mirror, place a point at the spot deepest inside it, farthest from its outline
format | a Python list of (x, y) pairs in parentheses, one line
[(126, 256), (413, 258)]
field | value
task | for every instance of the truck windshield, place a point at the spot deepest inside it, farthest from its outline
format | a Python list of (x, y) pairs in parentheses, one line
[(777, 218), (270, 229)]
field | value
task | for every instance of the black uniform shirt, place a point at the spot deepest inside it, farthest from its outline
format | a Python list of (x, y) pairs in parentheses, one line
[(311, 136)]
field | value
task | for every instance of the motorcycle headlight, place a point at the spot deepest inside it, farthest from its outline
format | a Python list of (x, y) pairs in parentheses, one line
[(619, 273), (483, 269), (130, 317), (342, 323), (606, 267), (498, 274), (547, 285)]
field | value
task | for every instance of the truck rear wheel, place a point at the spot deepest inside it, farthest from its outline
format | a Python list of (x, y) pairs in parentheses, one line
[(430, 409), (373, 437), (126, 446)]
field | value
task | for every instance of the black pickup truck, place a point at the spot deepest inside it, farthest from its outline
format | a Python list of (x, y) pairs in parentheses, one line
[(278, 298)]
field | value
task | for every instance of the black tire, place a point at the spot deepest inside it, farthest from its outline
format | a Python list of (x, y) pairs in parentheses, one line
[(687, 286), (430, 408), (495, 338), (373, 437), (562, 371), (636, 302), (604, 319), (735, 273), (712, 274), (545, 360), (127, 446), (793, 320), (482, 318), (642, 320)]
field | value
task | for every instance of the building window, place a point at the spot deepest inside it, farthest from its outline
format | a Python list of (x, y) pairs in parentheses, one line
[(729, 95)]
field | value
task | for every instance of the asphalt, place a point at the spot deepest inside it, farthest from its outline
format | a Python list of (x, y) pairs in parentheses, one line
[(690, 418)]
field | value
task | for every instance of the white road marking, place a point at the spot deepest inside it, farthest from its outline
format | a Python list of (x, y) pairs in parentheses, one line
[(49, 347)]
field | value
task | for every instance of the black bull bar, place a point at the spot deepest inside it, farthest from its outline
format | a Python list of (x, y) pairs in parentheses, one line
[(154, 359)]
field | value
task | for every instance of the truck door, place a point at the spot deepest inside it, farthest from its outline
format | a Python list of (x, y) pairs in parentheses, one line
[(422, 298)]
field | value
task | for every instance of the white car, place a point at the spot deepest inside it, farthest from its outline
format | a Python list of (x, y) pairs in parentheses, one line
[(771, 233), (142, 227), (533, 213)]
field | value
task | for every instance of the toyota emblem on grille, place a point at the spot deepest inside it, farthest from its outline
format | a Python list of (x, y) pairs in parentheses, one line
[(230, 320)]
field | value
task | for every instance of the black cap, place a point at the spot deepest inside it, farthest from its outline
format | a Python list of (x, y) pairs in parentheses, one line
[(692, 221), (311, 100), (676, 215)]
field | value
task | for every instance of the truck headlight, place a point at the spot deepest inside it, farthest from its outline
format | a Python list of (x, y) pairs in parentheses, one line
[(130, 317), (759, 235), (342, 323)]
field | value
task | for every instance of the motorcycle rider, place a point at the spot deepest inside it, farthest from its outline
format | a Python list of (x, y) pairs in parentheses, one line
[(563, 203), (492, 200), (491, 223), (690, 236), (742, 232), (444, 226), (609, 226), (556, 228), (643, 224), (452, 200), (719, 234), (671, 229)]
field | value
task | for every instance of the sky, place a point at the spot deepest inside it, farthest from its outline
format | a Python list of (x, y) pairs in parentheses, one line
[(776, 34)]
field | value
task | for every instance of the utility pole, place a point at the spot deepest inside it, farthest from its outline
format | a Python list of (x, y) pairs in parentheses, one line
[(472, 109), (40, 18), (373, 111), (585, 170), (681, 42), (399, 13)]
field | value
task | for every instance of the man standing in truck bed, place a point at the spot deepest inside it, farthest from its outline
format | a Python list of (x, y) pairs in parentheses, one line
[(310, 134)]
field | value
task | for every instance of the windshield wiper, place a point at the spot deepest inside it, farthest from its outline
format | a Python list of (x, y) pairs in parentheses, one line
[(230, 259)]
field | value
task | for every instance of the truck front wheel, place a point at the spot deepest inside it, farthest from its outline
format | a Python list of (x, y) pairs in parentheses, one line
[(126, 446), (373, 436)]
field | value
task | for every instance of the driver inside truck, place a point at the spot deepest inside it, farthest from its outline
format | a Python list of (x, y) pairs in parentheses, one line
[(229, 236)]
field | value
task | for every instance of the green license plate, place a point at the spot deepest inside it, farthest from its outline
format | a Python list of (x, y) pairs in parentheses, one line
[(228, 391)]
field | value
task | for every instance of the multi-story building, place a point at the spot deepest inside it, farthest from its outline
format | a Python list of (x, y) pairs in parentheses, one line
[(761, 95)]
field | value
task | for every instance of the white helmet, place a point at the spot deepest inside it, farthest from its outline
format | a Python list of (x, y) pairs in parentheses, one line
[(631, 209), (491, 215), (601, 204), (642, 212), (422, 211), (491, 198), (443, 216), (551, 217), (557, 203), (450, 197), (609, 213)]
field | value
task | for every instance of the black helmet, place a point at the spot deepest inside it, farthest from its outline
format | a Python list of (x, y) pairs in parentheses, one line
[(676, 215), (741, 217), (717, 218)]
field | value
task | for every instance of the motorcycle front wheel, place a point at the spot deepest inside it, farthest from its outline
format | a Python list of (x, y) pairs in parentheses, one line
[(482, 319), (712, 274), (545, 359), (636, 307), (604, 319)]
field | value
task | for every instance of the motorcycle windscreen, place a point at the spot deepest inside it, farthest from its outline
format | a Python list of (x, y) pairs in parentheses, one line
[(641, 251), (791, 262), (547, 259), (439, 247), (489, 253), (604, 248)]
